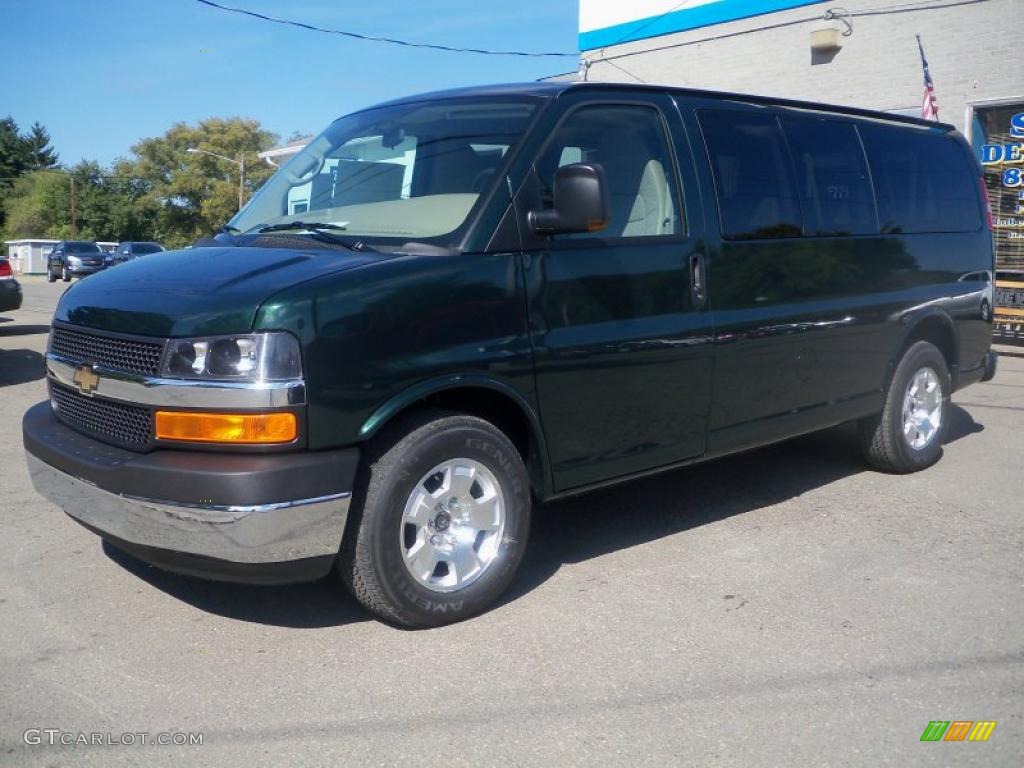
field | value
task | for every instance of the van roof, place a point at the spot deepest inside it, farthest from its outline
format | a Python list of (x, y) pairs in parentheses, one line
[(554, 89)]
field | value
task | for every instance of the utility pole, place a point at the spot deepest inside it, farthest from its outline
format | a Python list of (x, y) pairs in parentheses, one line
[(240, 162), (74, 216), (241, 181)]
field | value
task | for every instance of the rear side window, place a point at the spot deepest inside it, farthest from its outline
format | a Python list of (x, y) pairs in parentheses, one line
[(923, 182), (757, 194), (831, 176)]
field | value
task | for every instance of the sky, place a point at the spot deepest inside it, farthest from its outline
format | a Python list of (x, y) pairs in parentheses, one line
[(102, 74)]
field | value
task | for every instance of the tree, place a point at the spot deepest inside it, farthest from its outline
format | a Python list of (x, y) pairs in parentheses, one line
[(160, 193), (14, 158), (19, 154), (38, 152), (38, 205), (196, 194)]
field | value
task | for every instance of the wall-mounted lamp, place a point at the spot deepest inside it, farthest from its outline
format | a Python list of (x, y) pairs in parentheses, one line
[(825, 40)]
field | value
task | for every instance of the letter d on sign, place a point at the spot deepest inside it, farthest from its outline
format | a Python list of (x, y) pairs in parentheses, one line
[(991, 154)]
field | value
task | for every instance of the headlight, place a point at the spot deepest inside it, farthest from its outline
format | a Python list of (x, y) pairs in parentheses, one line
[(255, 357)]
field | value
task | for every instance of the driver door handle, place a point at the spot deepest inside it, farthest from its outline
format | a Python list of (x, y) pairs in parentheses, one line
[(698, 280)]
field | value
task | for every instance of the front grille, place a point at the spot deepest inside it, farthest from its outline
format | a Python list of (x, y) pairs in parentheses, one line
[(126, 425), (108, 351)]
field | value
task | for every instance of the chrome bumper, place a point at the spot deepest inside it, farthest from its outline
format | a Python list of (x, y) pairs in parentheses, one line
[(261, 534)]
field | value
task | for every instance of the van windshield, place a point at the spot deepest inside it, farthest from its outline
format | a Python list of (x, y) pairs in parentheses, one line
[(401, 172)]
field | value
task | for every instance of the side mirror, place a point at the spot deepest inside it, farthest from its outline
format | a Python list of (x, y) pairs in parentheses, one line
[(580, 202)]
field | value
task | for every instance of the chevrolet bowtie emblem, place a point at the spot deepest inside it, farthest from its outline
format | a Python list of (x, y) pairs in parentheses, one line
[(86, 378)]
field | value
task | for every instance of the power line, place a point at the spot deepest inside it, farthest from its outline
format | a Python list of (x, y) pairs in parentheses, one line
[(376, 39), (625, 71)]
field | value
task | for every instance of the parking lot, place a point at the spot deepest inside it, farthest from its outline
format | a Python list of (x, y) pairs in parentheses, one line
[(783, 607)]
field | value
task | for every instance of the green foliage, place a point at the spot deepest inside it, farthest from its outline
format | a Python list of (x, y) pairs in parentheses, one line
[(14, 152), (196, 194), (39, 153), (38, 205), (161, 193)]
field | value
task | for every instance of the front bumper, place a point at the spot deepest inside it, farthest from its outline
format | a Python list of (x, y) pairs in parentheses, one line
[(10, 295), (267, 518)]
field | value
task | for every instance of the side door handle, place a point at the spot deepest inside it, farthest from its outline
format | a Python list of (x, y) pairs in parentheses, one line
[(698, 280)]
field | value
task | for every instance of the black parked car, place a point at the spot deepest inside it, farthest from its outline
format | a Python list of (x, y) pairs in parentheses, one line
[(73, 258), (10, 290), (129, 250)]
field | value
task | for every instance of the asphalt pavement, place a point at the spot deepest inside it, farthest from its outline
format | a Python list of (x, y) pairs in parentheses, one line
[(783, 607)]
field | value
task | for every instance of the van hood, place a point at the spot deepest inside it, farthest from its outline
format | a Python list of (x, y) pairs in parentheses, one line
[(197, 291)]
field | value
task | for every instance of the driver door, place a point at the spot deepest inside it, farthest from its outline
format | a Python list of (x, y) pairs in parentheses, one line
[(620, 332)]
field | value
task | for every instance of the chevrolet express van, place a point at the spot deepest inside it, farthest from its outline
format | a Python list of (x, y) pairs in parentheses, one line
[(451, 306)]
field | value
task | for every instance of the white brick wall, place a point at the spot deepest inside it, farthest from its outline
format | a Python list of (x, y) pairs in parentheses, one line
[(973, 52)]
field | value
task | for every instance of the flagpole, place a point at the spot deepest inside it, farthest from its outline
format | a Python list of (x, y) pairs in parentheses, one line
[(929, 104)]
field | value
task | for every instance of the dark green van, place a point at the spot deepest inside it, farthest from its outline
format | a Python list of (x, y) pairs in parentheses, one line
[(449, 306)]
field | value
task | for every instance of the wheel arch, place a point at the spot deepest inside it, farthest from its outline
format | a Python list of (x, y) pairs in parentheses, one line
[(482, 396), (938, 328)]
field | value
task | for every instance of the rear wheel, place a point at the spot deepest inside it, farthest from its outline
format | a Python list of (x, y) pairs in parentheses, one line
[(50, 277), (64, 274), (440, 522), (907, 435)]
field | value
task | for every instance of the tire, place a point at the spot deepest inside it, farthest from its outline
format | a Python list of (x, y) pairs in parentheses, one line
[(894, 441), (387, 524), (64, 274), (50, 277)]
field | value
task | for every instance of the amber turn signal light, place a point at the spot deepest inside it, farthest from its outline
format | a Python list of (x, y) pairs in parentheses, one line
[(200, 427)]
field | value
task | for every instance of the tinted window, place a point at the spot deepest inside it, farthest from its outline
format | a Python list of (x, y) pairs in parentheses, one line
[(753, 175), (630, 144), (831, 177), (923, 181), (141, 248)]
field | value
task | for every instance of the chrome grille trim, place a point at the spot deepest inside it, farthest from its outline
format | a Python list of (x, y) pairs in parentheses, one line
[(179, 393)]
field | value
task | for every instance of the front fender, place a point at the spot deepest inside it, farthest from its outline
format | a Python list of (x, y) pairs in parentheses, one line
[(468, 381)]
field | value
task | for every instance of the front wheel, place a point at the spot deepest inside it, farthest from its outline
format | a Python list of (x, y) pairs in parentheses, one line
[(440, 523), (65, 275), (50, 277), (907, 435)]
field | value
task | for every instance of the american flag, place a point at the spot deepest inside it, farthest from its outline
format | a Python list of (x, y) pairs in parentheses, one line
[(929, 104)]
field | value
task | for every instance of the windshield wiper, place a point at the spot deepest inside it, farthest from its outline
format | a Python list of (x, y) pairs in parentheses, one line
[(312, 226), (319, 230)]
